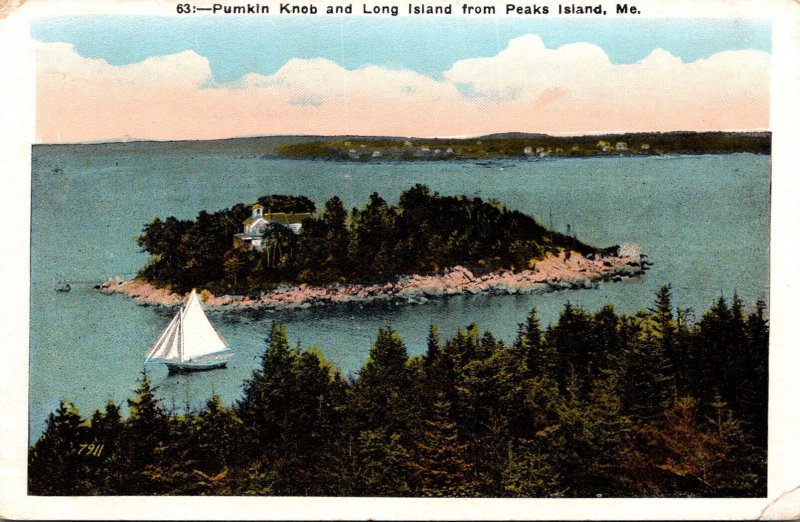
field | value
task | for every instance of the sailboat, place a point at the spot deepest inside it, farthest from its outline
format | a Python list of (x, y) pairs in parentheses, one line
[(190, 342)]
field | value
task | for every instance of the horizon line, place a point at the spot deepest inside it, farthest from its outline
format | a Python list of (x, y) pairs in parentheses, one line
[(112, 141)]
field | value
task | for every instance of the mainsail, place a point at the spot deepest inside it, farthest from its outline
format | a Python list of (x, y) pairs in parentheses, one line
[(188, 337)]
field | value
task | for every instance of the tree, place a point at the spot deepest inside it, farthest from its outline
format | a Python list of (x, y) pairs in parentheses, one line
[(382, 465), (539, 358), (441, 464), (374, 238), (674, 454), (572, 338), (268, 395), (55, 463), (142, 445), (383, 396), (530, 472)]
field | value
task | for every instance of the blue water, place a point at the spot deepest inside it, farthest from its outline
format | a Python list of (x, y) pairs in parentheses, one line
[(703, 220)]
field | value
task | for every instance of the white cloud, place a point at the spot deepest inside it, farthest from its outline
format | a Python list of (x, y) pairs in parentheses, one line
[(525, 87)]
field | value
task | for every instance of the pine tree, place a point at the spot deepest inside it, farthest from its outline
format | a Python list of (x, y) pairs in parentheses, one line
[(384, 396), (442, 467), (142, 445), (55, 463), (268, 395), (540, 359), (382, 465), (572, 339), (530, 471), (106, 430), (754, 390)]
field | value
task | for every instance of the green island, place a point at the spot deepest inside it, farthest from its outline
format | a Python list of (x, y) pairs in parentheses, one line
[(282, 240), (596, 405), (532, 146)]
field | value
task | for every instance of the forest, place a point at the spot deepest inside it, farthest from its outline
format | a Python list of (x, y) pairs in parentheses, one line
[(599, 404), (425, 232)]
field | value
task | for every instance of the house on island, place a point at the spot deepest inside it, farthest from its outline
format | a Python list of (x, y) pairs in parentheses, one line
[(255, 227)]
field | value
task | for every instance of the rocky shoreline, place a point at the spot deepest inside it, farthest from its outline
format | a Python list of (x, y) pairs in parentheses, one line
[(552, 273)]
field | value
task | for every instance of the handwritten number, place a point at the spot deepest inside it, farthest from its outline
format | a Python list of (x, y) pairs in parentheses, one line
[(95, 450)]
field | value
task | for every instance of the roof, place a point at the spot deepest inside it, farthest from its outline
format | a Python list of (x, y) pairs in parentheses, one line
[(286, 219)]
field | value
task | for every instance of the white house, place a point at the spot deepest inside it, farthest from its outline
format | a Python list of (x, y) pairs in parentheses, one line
[(255, 227)]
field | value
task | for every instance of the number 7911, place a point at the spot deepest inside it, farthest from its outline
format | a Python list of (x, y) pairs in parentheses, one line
[(94, 450)]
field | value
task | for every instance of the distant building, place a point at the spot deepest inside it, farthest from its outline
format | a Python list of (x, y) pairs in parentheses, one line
[(621, 146), (528, 150), (644, 147), (255, 227)]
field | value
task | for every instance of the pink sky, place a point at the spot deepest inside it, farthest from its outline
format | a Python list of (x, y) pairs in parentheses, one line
[(573, 89)]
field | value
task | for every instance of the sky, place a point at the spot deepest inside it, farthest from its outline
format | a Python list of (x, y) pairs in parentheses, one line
[(107, 78)]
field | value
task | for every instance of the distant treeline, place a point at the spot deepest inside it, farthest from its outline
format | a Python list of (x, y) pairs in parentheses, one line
[(424, 232), (531, 145), (597, 404)]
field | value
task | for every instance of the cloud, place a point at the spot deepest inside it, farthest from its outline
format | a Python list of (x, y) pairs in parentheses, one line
[(525, 87)]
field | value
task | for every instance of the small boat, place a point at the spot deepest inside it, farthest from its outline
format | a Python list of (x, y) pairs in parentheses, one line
[(63, 288), (190, 343)]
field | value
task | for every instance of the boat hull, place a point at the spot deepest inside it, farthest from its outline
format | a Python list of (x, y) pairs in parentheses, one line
[(178, 368)]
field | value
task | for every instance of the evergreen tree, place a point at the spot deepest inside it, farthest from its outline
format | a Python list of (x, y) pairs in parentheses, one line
[(572, 339), (383, 465), (529, 341), (530, 472), (105, 430), (442, 467), (374, 238), (384, 396), (754, 390), (55, 466), (142, 447), (268, 395)]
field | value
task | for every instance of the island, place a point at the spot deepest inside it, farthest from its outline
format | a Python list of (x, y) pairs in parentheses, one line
[(281, 253), (525, 146)]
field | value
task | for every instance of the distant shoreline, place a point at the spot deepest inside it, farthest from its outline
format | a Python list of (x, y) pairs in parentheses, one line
[(552, 273), (512, 145)]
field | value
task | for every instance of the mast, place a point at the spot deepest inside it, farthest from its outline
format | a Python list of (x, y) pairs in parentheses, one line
[(181, 312)]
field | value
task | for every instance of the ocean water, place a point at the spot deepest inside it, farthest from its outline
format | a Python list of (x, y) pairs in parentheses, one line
[(703, 221)]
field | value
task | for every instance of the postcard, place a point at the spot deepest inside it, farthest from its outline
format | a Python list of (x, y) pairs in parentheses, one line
[(399, 260)]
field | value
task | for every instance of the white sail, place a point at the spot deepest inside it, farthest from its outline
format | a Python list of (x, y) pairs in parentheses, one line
[(168, 345), (188, 336), (199, 335)]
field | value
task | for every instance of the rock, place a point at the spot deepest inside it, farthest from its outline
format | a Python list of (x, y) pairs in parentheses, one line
[(432, 291), (499, 289), (411, 291)]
